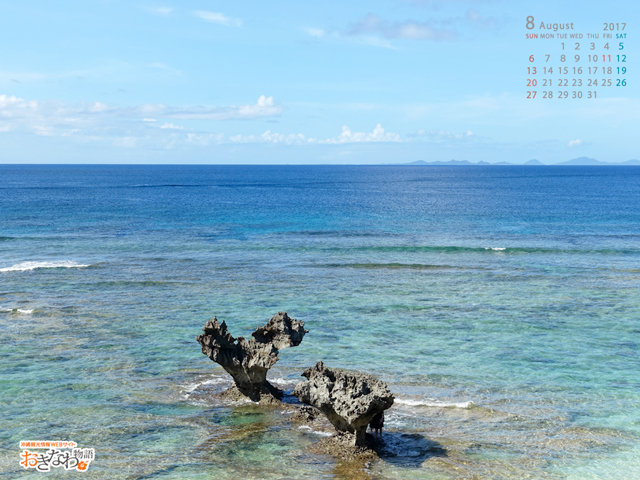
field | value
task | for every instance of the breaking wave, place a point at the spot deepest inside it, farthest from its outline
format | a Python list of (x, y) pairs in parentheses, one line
[(26, 266), (25, 311), (211, 381)]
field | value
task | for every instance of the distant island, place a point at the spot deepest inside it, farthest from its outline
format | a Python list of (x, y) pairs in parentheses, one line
[(584, 161)]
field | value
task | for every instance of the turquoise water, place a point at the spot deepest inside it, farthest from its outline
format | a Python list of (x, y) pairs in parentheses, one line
[(500, 304)]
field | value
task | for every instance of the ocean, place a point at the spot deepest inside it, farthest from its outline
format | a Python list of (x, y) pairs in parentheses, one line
[(501, 305)]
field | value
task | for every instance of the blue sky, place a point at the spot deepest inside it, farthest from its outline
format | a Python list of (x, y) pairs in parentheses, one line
[(302, 82)]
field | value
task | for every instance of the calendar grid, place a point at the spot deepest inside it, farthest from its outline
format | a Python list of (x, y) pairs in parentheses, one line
[(569, 62)]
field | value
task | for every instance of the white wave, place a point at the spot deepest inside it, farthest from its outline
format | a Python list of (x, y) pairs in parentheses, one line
[(317, 432), (25, 266), (497, 249), (428, 402), (25, 311), (211, 381), (282, 381)]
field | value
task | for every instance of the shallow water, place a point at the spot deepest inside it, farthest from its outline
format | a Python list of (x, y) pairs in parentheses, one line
[(500, 304)]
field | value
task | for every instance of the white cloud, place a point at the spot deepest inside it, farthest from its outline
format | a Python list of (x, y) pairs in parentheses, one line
[(166, 68), (316, 32), (111, 71), (271, 137), (264, 107), (17, 112), (126, 142), (218, 18), (442, 135), (475, 18), (347, 136), (371, 28), (98, 107), (374, 42), (378, 135), (134, 127), (42, 118), (43, 130), (410, 29), (575, 143), (172, 126), (138, 127), (204, 139), (160, 10)]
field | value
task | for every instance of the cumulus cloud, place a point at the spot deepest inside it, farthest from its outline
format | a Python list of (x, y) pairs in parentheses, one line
[(378, 135), (271, 137), (18, 110), (172, 126), (410, 29), (138, 127), (44, 118), (347, 136), (575, 143), (264, 107), (218, 18), (124, 127), (203, 139)]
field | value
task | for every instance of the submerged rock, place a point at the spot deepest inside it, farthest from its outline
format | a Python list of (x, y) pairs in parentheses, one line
[(248, 361), (349, 399)]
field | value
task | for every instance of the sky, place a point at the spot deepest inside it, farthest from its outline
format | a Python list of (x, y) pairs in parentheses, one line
[(295, 82)]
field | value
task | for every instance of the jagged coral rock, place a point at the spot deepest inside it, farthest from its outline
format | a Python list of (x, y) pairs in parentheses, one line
[(248, 361), (348, 398)]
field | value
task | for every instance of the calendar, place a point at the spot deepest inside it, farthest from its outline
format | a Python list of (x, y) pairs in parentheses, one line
[(573, 61)]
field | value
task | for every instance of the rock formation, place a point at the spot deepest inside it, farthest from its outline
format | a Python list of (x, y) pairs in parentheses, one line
[(349, 399), (248, 361)]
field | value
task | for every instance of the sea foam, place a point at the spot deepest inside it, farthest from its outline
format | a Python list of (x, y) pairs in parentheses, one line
[(26, 311), (317, 432), (190, 388), (428, 402), (282, 381), (25, 266)]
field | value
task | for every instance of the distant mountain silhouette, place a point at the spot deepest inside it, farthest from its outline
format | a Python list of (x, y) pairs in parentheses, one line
[(450, 162), (583, 161), (593, 161)]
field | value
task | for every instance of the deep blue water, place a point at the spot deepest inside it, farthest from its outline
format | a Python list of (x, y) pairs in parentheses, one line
[(500, 304)]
